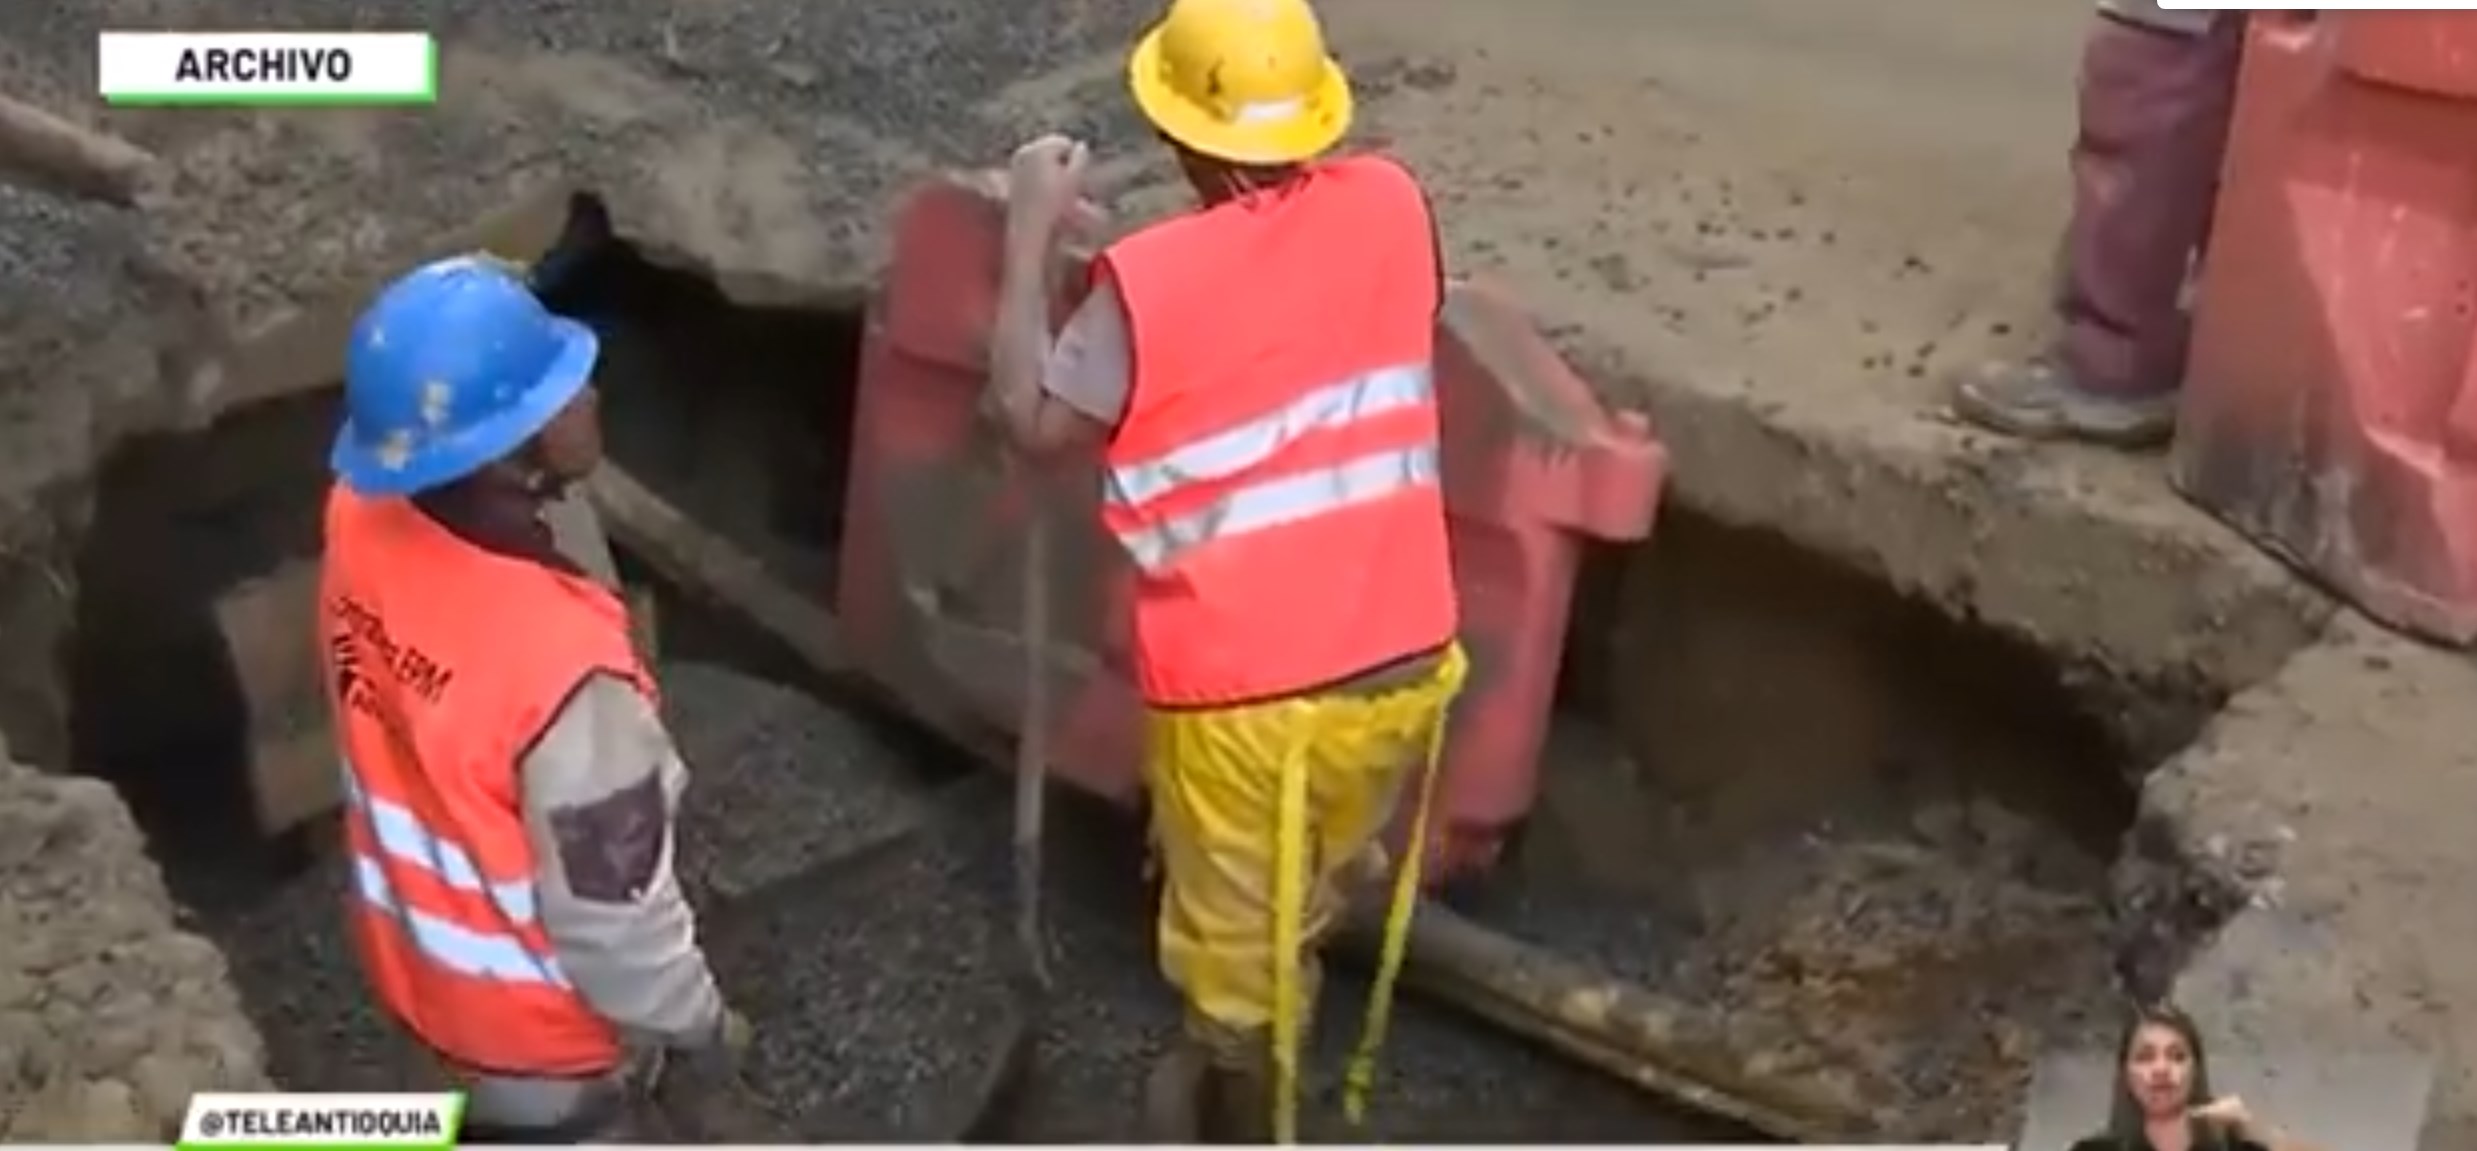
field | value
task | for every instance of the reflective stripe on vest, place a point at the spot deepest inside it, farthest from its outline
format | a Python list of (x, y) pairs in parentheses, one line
[(1281, 499), (401, 836)]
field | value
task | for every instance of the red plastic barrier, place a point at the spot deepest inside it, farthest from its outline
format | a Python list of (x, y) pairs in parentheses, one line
[(2331, 404), (931, 563)]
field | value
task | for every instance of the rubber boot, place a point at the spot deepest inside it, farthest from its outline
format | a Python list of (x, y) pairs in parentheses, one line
[(1173, 1106), (1238, 1105)]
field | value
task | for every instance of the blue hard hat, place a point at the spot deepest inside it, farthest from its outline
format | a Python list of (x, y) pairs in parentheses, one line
[(454, 365)]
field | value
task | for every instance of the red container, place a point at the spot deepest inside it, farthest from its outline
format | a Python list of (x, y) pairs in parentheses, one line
[(932, 556), (2330, 409)]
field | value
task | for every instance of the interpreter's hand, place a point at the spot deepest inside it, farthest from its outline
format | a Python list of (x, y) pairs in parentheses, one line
[(1044, 186), (2227, 1113)]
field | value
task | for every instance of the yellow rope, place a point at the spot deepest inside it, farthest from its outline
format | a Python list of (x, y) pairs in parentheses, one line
[(1289, 925), (1359, 1078)]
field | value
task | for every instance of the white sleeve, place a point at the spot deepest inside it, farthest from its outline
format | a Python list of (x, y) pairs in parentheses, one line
[(601, 790), (1091, 367)]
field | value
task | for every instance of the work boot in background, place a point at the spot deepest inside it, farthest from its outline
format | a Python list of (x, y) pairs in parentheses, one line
[(1172, 1110)]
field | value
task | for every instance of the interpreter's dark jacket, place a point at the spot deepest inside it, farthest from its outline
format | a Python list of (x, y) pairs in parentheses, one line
[(2111, 1143)]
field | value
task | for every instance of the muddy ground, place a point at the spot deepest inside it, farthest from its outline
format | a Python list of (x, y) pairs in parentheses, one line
[(1775, 226)]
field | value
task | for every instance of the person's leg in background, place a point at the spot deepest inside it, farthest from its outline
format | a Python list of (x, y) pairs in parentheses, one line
[(2154, 108), (1217, 779)]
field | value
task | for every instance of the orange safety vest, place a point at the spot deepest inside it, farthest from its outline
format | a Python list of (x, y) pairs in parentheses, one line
[(444, 663), (1275, 475)]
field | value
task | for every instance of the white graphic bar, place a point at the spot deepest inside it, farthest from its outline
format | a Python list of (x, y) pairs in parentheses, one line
[(267, 68)]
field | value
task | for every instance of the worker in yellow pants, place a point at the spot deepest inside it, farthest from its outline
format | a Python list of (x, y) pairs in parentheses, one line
[(1256, 377), (1267, 817)]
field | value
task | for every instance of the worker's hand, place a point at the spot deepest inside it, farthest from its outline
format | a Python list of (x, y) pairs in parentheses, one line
[(1044, 186)]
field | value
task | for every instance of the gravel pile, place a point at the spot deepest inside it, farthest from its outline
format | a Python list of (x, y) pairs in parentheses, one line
[(110, 1015), (880, 986), (780, 782), (1940, 963), (1933, 960), (1442, 1079)]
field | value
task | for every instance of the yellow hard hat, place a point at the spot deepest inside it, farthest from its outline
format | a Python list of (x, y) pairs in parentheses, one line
[(1246, 81)]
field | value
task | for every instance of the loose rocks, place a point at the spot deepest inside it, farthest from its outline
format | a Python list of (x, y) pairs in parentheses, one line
[(110, 1016), (1930, 961), (879, 988), (857, 934), (1442, 1078), (295, 966), (779, 782)]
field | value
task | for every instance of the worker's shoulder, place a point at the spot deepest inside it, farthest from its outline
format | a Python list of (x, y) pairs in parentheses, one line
[(1387, 183), (1379, 164), (606, 723)]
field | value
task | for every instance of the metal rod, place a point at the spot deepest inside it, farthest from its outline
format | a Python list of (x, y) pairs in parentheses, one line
[(1032, 741)]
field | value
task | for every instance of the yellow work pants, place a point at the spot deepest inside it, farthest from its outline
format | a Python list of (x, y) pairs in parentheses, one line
[(1263, 814)]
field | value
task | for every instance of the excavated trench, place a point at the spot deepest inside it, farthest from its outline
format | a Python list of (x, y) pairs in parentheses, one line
[(1857, 824)]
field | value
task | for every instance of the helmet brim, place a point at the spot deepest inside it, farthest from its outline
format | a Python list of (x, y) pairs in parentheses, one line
[(370, 471), (1275, 142)]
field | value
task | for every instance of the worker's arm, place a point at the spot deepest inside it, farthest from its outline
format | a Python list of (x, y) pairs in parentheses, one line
[(600, 790), (1055, 395)]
